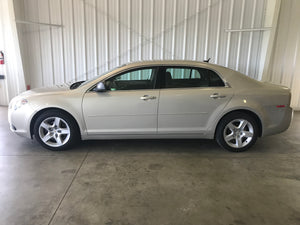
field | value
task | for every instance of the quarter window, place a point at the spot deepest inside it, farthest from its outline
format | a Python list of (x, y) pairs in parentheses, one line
[(189, 77)]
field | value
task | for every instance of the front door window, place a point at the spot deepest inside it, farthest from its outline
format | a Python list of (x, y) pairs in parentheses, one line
[(132, 80)]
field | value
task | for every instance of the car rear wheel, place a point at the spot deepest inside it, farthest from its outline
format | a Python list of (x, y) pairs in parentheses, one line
[(55, 130), (237, 132)]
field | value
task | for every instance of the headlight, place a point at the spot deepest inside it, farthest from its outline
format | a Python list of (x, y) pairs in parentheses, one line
[(20, 103)]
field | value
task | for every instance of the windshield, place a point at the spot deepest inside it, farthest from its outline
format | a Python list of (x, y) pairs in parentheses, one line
[(96, 77)]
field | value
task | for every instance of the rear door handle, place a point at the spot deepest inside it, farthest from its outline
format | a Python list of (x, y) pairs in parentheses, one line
[(216, 96), (147, 97)]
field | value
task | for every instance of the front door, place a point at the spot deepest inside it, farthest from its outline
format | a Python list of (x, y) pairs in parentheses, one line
[(129, 106)]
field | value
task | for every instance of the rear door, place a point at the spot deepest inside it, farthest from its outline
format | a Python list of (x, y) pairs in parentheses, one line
[(190, 98)]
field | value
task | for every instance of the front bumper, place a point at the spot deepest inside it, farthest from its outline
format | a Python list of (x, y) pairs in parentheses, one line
[(19, 120)]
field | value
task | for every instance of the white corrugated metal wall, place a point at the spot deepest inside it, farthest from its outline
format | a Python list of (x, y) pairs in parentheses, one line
[(13, 82), (96, 35), (285, 64)]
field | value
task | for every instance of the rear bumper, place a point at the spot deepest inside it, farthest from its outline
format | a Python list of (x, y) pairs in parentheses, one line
[(279, 121)]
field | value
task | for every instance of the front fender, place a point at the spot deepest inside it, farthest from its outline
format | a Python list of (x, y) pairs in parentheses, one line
[(70, 104)]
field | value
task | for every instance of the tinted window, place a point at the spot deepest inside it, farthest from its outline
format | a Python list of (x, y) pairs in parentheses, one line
[(132, 80), (189, 77)]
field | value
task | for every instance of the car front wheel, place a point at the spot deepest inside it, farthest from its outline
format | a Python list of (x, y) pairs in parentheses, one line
[(237, 132), (55, 130)]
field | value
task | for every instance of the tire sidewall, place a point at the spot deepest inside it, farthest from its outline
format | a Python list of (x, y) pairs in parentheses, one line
[(74, 134), (227, 119)]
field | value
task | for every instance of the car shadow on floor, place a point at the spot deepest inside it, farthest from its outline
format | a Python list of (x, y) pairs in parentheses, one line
[(268, 145), (153, 145)]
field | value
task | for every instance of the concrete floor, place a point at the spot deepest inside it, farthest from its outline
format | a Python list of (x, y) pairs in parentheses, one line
[(145, 182)]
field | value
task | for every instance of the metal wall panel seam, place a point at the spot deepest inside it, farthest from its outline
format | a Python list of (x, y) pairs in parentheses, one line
[(97, 41), (163, 29), (118, 32), (285, 49), (229, 33), (240, 36), (196, 30), (174, 29), (207, 29), (258, 52), (251, 37), (152, 29), (129, 30), (295, 59), (63, 42), (51, 44), (40, 45), (107, 35), (140, 30), (185, 29), (267, 69), (29, 78), (218, 32), (74, 44), (84, 38)]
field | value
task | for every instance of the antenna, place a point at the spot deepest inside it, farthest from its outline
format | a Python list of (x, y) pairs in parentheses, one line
[(206, 60)]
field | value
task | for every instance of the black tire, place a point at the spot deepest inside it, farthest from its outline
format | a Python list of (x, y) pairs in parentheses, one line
[(58, 128), (238, 139)]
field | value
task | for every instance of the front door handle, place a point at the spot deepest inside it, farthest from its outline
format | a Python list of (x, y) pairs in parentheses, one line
[(216, 96), (147, 97)]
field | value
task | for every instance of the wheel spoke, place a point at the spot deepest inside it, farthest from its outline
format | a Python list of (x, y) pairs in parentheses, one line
[(248, 134), (58, 140), (238, 142), (243, 124), (57, 121), (45, 125), (65, 131), (231, 126), (229, 137), (46, 137)]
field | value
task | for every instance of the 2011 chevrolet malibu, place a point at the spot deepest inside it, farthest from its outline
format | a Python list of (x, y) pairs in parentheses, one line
[(156, 99)]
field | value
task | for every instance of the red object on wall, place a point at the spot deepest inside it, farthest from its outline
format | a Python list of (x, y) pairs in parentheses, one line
[(1, 57), (27, 87)]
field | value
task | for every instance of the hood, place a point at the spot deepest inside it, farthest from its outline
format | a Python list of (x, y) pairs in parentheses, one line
[(45, 90), (58, 89)]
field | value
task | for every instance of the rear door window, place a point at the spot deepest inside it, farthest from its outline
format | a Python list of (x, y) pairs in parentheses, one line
[(185, 77)]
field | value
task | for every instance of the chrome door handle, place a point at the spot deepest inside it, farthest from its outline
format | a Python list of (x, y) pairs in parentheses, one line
[(216, 96), (147, 97)]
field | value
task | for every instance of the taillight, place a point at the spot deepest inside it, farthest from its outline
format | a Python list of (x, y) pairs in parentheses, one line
[(280, 106)]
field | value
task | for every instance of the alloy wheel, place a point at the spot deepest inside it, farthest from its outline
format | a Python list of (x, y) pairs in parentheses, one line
[(238, 133), (54, 131)]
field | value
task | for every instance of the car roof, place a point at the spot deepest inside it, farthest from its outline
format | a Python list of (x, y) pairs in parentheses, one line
[(167, 62), (218, 68)]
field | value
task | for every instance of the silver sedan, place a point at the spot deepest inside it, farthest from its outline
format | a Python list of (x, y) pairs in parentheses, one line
[(157, 99)]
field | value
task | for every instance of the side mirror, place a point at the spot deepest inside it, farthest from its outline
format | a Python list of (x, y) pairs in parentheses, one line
[(100, 87)]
